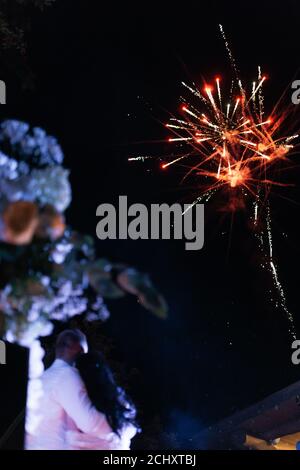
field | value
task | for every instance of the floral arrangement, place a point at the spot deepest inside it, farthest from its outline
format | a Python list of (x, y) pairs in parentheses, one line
[(49, 271)]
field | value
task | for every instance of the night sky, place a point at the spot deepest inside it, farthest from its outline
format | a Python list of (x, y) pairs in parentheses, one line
[(104, 81)]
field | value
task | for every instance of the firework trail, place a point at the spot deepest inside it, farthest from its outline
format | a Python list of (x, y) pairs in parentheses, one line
[(231, 145), (265, 241)]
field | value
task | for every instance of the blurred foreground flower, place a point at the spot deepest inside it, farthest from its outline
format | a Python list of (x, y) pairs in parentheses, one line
[(19, 222)]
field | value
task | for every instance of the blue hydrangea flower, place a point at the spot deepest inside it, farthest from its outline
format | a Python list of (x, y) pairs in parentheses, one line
[(49, 186), (8, 167), (43, 149), (13, 130), (36, 147)]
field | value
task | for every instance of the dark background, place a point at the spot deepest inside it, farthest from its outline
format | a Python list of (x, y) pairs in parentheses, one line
[(102, 80)]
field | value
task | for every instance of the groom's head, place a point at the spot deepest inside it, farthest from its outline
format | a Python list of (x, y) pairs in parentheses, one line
[(70, 344)]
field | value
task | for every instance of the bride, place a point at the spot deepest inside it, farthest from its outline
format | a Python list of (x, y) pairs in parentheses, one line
[(110, 400)]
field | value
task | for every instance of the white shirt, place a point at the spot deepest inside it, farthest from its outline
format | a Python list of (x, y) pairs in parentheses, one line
[(64, 406)]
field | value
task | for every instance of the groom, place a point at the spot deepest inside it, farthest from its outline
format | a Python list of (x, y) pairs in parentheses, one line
[(64, 404)]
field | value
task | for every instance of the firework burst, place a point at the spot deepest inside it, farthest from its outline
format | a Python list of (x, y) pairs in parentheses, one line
[(233, 144), (227, 142)]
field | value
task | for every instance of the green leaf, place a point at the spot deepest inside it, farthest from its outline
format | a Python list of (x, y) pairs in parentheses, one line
[(139, 284), (100, 278)]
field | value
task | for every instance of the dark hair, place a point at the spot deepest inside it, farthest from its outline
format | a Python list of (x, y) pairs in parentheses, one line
[(103, 391), (67, 338)]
